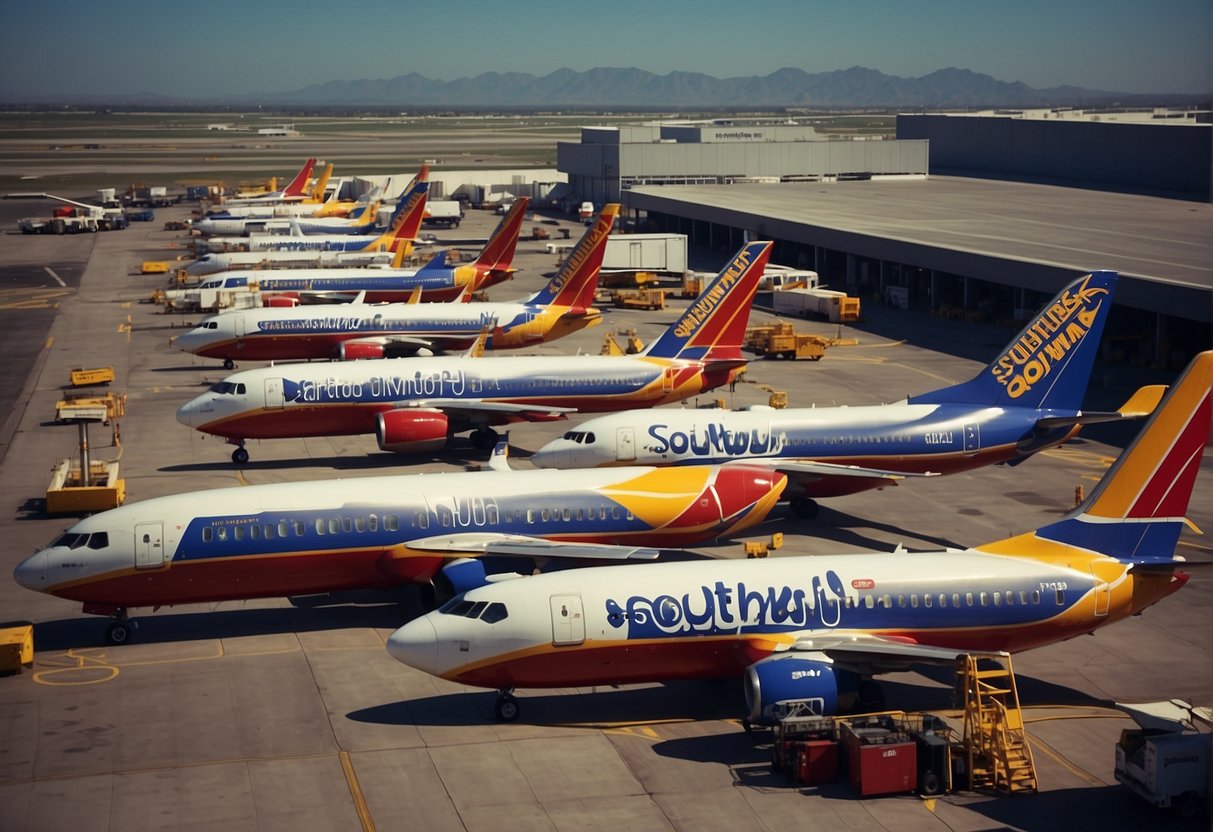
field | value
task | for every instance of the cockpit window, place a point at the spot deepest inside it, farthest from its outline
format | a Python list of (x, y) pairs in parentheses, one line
[(72, 540), (581, 437), (228, 388), (98, 540), (489, 613)]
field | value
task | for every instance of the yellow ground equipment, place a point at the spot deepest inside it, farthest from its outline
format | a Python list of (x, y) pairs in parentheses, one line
[(69, 494), (102, 409), (611, 347), (639, 298), (16, 646), (781, 340), (98, 375), (154, 267), (995, 740)]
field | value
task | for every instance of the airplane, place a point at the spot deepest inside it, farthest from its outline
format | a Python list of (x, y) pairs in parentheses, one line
[(435, 280), (296, 240), (562, 307), (417, 404), (361, 219), (401, 232), (313, 203), (295, 189), (815, 629), (304, 538), (1027, 400)]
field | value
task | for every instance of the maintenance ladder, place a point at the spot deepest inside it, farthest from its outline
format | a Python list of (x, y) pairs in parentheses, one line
[(995, 742)]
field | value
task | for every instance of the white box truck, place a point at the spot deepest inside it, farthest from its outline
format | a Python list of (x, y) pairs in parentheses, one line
[(657, 253)]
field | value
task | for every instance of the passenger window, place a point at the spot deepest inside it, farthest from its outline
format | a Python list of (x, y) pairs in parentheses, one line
[(956, 599), (943, 600), (347, 525), (334, 525), (1010, 598), (372, 523), (968, 599), (998, 599), (927, 600), (254, 532), (1036, 596), (914, 600), (283, 528), (391, 523), (360, 524), (221, 533), (320, 526), (208, 534), (238, 533), (1061, 597), (300, 528), (869, 601), (901, 601)]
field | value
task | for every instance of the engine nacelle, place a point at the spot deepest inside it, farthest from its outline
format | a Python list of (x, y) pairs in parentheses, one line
[(353, 350), (281, 301), (407, 431), (789, 677)]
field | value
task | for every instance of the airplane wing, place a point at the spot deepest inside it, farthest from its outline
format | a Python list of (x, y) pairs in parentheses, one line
[(809, 471), (867, 654), (517, 545)]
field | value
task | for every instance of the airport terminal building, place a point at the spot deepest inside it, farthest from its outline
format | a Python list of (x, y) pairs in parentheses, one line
[(991, 239)]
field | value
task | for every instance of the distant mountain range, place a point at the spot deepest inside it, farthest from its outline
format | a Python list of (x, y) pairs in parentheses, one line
[(617, 88)]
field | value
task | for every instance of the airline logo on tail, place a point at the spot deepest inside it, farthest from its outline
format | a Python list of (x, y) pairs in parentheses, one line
[(713, 326), (1050, 338)]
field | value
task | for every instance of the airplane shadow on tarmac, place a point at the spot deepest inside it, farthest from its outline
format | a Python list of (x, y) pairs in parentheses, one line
[(385, 463), (838, 526), (385, 610)]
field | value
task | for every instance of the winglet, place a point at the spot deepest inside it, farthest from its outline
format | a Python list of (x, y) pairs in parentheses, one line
[(500, 459), (713, 326), (576, 281), (1136, 512), (1143, 402), (476, 350), (1047, 366)]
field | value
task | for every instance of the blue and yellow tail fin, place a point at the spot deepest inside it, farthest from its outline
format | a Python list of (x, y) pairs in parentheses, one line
[(575, 283), (1047, 366), (1136, 512), (713, 327)]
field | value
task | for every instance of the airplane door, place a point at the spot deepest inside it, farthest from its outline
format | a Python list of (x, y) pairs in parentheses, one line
[(1103, 593), (667, 379), (149, 545), (273, 393), (625, 444), (239, 323), (972, 438), (568, 621)]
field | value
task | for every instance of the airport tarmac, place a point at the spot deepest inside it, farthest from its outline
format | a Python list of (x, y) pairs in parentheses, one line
[(272, 715)]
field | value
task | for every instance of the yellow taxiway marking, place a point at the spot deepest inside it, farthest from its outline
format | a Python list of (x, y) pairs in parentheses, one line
[(91, 665), (351, 780), (49, 341), (41, 298), (241, 478)]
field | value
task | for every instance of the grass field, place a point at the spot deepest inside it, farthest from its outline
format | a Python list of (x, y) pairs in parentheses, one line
[(78, 152)]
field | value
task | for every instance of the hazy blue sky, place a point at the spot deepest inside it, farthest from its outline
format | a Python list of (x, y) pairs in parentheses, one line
[(220, 47)]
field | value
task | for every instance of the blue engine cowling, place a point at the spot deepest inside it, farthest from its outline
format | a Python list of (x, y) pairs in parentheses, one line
[(783, 678)]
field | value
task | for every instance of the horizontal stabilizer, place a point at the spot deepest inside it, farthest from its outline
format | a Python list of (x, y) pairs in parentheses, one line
[(521, 545)]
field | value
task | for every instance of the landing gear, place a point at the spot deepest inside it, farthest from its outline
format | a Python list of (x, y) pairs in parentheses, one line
[(228, 364), (120, 631), (484, 439), (803, 507), (240, 455), (869, 696), (506, 707)]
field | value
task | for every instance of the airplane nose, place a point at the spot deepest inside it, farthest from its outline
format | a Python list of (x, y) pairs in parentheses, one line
[(416, 644), (187, 414), (31, 572), (545, 457)]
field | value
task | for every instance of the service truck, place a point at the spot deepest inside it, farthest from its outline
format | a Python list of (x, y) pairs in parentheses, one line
[(1166, 760), (657, 253), (70, 218), (447, 212)]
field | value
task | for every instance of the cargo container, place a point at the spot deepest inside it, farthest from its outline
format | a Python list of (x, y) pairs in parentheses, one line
[(447, 212), (827, 303), (660, 253), (881, 757)]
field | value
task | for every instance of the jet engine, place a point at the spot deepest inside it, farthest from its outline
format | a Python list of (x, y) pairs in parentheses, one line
[(281, 301), (783, 678), (353, 350), (411, 430)]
